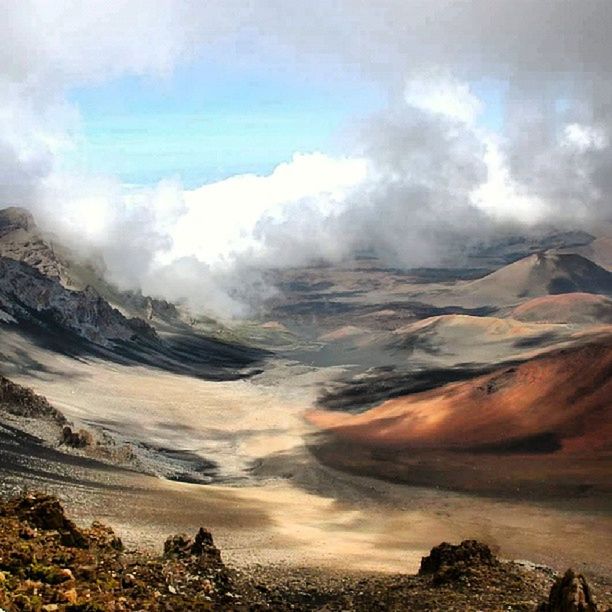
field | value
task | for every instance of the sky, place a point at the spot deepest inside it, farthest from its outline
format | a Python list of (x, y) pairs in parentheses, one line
[(193, 145), (206, 122)]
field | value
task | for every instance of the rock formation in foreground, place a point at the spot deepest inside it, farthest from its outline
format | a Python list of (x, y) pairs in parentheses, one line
[(47, 564), (570, 593)]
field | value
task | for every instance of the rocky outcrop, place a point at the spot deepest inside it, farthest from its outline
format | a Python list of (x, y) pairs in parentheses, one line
[(13, 219), (202, 547), (76, 439), (20, 240), (151, 308), (48, 564), (22, 401), (66, 274), (24, 291), (45, 513), (570, 593), (449, 562), (41, 569)]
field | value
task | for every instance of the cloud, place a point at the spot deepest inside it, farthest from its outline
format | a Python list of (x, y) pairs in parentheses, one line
[(443, 95), (228, 212), (418, 183)]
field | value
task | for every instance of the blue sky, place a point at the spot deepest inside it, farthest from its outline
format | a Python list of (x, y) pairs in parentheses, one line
[(207, 122)]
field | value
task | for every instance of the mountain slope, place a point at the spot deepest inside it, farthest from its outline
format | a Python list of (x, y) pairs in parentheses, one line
[(26, 294), (565, 395), (50, 295), (21, 241), (466, 334), (577, 308), (541, 274)]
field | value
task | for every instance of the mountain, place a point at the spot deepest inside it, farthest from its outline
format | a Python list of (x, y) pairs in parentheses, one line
[(28, 295), (38, 285), (577, 308), (598, 251), (60, 300), (20, 240), (466, 339), (506, 249), (540, 274), (563, 396)]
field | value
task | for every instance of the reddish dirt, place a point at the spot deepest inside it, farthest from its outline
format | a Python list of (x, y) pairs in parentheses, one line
[(566, 394), (565, 308)]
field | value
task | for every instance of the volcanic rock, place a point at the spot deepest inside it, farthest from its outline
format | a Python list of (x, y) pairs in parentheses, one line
[(46, 513), (448, 562), (102, 536), (181, 546), (27, 294), (76, 439), (14, 218), (204, 547), (22, 401), (178, 545), (570, 593)]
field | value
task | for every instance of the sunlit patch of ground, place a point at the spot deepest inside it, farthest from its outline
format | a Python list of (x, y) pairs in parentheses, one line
[(302, 514)]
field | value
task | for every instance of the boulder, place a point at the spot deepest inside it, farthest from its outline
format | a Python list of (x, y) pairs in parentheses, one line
[(45, 513), (181, 546), (448, 562), (570, 593), (102, 536), (76, 439), (204, 547), (178, 546)]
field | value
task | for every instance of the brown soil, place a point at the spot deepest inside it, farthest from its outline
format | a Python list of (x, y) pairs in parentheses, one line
[(47, 563)]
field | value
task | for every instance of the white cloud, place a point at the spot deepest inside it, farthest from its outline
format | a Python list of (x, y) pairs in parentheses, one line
[(424, 180), (501, 197), (221, 218), (584, 137), (444, 95)]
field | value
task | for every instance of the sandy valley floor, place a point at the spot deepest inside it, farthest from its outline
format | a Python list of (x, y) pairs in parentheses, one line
[(304, 513)]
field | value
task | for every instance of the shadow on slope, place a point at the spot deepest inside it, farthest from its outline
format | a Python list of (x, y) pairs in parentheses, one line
[(187, 353)]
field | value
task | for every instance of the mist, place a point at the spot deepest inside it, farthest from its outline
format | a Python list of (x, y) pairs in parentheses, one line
[(417, 182)]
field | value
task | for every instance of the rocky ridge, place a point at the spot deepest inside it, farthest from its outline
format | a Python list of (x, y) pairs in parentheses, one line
[(26, 293), (23, 402), (21, 241)]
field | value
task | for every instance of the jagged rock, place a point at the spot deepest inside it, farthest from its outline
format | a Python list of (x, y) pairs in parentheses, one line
[(178, 545), (25, 292), (102, 536), (46, 513), (14, 218), (22, 401), (571, 593), (21, 240), (204, 546), (76, 439), (470, 552), (151, 308), (182, 546), (142, 328), (41, 573), (449, 562)]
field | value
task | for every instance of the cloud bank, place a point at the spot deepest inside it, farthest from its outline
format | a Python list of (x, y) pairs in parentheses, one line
[(419, 182)]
